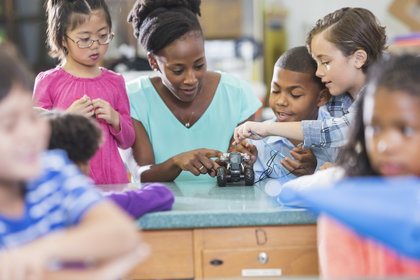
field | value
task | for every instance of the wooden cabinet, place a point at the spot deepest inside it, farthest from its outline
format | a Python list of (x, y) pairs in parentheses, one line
[(171, 255), (258, 251), (276, 261), (288, 250)]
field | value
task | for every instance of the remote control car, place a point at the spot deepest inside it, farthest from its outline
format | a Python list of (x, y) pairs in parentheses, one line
[(235, 169)]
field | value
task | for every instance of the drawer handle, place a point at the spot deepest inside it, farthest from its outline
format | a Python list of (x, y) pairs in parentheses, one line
[(216, 262), (263, 257)]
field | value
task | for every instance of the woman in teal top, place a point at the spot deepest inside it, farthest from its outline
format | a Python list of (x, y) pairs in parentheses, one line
[(185, 117)]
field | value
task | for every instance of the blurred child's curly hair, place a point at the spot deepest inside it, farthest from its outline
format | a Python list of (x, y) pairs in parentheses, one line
[(352, 29), (393, 73), (79, 136), (157, 23)]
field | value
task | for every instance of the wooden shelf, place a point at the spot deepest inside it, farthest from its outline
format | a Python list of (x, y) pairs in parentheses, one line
[(193, 253)]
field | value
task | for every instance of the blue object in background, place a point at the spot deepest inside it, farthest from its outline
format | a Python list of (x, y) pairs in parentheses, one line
[(384, 209)]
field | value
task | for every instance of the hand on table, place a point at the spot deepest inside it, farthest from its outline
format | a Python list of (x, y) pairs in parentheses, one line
[(198, 161)]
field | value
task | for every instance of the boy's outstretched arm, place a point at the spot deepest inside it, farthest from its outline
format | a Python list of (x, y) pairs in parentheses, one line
[(93, 238), (291, 130), (111, 270)]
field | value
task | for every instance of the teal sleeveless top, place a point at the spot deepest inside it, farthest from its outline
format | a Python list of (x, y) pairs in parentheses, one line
[(233, 103)]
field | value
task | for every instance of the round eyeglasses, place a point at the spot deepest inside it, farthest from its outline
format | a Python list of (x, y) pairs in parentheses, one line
[(84, 43)]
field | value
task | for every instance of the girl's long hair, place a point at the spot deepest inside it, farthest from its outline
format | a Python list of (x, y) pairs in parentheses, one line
[(353, 156), (395, 73)]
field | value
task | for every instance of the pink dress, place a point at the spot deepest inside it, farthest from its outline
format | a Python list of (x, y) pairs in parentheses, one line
[(345, 254), (58, 89)]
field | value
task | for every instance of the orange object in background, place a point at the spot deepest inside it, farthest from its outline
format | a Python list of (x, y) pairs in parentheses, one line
[(406, 44), (344, 254)]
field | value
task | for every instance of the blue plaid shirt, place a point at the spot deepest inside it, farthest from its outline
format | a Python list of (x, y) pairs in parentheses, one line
[(282, 146), (331, 132)]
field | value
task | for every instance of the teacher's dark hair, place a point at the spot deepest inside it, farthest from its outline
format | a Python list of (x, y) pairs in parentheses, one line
[(157, 23)]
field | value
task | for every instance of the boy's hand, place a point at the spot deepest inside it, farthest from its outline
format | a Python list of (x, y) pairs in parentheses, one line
[(198, 161), (304, 163), (244, 131), (250, 149), (82, 106), (116, 268), (22, 263), (104, 110), (326, 165)]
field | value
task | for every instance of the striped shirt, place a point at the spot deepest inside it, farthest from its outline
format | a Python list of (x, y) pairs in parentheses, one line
[(57, 199)]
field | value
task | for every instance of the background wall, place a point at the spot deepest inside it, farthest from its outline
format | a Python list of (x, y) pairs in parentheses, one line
[(286, 23), (300, 20), (275, 25)]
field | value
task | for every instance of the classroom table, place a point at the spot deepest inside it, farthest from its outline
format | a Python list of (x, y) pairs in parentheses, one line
[(225, 232)]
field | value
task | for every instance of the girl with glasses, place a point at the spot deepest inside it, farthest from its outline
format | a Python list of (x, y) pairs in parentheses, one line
[(79, 32)]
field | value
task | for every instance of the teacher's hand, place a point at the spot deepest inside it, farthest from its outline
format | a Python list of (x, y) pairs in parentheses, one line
[(198, 161)]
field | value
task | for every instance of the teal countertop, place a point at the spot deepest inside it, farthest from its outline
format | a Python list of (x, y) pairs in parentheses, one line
[(202, 204)]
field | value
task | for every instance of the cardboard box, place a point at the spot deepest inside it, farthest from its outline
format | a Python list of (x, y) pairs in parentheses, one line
[(408, 11), (221, 19)]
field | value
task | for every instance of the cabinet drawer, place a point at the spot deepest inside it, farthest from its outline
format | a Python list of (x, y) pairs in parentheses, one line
[(290, 248), (284, 261), (268, 236), (171, 255)]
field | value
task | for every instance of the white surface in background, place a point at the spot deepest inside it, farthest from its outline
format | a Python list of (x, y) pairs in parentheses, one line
[(132, 75), (135, 169), (303, 14)]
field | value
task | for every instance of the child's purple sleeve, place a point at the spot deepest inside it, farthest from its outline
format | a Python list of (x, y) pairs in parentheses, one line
[(152, 197)]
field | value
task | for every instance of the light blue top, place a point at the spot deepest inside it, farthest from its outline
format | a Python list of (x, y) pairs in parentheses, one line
[(57, 199), (283, 147), (233, 103)]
